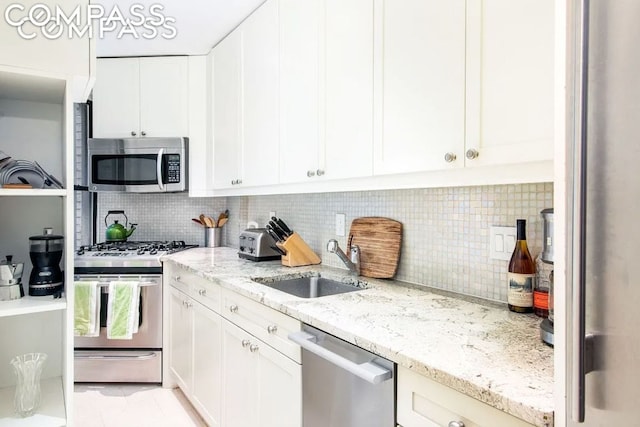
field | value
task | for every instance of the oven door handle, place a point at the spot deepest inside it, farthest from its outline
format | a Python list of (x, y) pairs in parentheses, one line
[(141, 284), (112, 357), (368, 371)]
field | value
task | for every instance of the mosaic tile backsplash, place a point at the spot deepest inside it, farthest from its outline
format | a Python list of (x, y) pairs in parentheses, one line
[(445, 230)]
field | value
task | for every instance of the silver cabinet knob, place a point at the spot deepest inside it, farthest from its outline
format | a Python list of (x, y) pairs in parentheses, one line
[(272, 329), (472, 153), (246, 343), (234, 181), (320, 172), (233, 308), (133, 133), (202, 292), (253, 348), (176, 278), (184, 302), (456, 424), (187, 303), (238, 181), (311, 173), (143, 133), (449, 157)]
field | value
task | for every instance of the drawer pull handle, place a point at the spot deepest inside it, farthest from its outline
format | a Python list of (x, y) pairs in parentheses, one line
[(202, 292), (272, 329), (456, 424), (253, 348), (233, 308), (246, 343)]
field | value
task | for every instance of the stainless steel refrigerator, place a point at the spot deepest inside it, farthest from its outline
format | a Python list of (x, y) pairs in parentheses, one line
[(603, 220)]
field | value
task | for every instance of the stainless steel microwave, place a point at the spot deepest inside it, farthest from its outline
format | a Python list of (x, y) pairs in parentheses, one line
[(138, 165)]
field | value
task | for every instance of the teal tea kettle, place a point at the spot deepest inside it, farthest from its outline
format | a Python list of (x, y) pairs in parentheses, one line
[(117, 232)]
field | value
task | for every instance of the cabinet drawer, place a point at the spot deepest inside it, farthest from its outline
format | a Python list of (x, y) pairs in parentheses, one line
[(265, 323), (200, 289), (424, 402)]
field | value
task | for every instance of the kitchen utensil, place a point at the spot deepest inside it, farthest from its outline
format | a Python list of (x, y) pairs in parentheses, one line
[(212, 237), (287, 231), (197, 221), (11, 279), (379, 240), (222, 221), (117, 232), (45, 252)]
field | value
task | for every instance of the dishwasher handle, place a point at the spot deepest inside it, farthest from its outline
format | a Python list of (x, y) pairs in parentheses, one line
[(369, 371)]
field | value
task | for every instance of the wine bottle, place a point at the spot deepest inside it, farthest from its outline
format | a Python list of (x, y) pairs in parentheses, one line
[(521, 274)]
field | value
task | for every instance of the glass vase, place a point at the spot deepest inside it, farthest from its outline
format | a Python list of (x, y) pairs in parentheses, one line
[(28, 368)]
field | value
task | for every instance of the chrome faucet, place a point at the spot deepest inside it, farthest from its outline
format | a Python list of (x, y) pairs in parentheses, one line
[(353, 264)]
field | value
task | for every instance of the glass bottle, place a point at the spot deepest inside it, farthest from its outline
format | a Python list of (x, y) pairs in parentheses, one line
[(544, 270), (521, 274)]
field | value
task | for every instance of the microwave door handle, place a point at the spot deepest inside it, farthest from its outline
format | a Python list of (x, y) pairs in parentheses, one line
[(159, 169)]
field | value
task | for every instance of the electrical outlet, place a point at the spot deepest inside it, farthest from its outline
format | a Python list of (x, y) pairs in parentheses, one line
[(272, 214), (502, 240), (341, 224)]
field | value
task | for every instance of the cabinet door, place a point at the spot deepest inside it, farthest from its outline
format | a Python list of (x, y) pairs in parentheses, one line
[(164, 104), (227, 110), (116, 98), (239, 377), (422, 85), (260, 86), (207, 363), (279, 386), (181, 338), (348, 92), (510, 81), (299, 112)]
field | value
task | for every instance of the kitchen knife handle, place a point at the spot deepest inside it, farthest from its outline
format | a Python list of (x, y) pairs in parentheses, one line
[(287, 231), (576, 230)]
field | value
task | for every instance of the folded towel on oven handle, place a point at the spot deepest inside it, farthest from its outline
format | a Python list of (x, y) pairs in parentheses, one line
[(86, 312), (123, 309)]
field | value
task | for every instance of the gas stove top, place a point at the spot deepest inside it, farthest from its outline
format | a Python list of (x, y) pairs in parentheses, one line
[(125, 257)]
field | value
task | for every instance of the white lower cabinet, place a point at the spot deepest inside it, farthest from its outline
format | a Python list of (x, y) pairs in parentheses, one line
[(422, 402), (261, 386), (230, 376)]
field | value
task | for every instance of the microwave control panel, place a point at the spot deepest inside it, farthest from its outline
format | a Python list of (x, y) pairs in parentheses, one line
[(173, 168)]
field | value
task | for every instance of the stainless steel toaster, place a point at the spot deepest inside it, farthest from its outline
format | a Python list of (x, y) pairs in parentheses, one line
[(257, 245)]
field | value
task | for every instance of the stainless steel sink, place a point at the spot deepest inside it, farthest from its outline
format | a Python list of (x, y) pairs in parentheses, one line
[(310, 287)]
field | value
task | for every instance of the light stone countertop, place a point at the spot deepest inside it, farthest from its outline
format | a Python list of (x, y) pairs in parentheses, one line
[(474, 346)]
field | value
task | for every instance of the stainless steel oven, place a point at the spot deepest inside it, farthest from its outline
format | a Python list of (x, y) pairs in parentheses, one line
[(99, 359)]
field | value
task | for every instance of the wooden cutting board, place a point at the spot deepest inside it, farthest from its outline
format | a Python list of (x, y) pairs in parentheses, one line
[(379, 240)]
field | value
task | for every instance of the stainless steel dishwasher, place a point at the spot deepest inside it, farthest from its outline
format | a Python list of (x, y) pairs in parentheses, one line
[(344, 385)]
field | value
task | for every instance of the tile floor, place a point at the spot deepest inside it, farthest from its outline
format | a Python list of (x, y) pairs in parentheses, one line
[(132, 405)]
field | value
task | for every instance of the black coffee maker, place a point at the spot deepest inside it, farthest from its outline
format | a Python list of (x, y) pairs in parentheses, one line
[(45, 252)]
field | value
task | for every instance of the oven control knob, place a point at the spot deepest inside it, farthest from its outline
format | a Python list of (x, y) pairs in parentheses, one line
[(80, 252), (241, 248)]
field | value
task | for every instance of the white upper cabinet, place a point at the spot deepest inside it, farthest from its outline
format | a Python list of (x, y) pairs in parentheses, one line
[(510, 65), (347, 143), (141, 97), (227, 132), (260, 86), (326, 98), (421, 86), (299, 89), (245, 106)]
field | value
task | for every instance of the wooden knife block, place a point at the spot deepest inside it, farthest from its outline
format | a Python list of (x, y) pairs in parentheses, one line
[(298, 252)]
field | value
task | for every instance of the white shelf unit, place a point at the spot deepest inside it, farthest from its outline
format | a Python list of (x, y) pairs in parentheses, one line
[(36, 123)]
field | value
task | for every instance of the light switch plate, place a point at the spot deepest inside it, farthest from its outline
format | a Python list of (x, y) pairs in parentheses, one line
[(502, 240), (341, 224), (271, 214)]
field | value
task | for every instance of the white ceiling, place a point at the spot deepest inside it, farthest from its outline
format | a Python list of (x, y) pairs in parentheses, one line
[(200, 25)]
